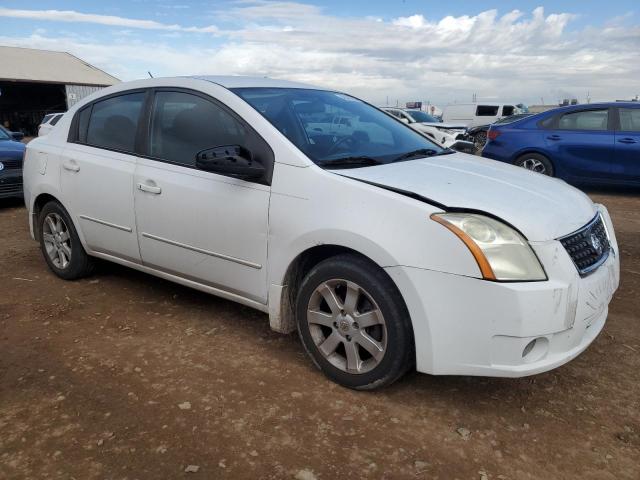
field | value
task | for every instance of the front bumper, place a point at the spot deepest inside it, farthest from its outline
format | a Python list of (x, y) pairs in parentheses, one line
[(469, 326), (10, 183)]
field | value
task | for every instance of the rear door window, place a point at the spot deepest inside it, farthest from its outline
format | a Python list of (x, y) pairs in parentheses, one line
[(487, 110), (629, 119), (585, 120), (114, 122)]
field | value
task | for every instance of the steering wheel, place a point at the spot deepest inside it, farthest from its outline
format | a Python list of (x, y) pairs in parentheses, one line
[(339, 142)]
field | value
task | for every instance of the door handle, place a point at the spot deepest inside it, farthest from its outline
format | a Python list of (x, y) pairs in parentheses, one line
[(149, 188), (627, 140), (72, 167), (554, 137)]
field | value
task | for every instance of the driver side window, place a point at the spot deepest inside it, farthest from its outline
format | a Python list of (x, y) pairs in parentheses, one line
[(183, 124)]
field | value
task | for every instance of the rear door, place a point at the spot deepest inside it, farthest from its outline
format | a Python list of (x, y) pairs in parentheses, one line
[(581, 143), (626, 162), (97, 174)]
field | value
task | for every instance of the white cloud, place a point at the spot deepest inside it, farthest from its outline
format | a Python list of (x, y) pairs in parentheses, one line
[(513, 57), (72, 16)]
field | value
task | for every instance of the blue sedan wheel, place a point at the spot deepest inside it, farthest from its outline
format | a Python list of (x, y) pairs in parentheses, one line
[(536, 163)]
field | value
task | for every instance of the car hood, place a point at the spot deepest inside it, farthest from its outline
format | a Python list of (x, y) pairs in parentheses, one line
[(11, 147), (542, 208)]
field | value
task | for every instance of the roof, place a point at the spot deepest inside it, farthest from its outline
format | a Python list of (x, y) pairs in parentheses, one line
[(32, 65), (233, 81)]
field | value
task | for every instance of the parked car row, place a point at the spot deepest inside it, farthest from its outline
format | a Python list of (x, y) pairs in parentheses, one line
[(385, 250)]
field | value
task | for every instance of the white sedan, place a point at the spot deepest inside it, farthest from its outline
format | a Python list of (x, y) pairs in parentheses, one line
[(444, 134), (383, 250)]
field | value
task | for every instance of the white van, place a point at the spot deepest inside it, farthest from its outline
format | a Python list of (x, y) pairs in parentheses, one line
[(474, 114)]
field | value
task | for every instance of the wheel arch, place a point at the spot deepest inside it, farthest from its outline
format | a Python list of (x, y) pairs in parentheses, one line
[(39, 201), (282, 297)]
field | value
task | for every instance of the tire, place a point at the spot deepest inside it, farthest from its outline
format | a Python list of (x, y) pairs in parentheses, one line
[(60, 245), (366, 334), (480, 140), (535, 163)]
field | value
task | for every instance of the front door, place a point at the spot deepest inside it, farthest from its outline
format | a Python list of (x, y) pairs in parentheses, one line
[(198, 225)]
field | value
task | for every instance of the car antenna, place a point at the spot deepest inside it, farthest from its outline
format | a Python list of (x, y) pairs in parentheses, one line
[(149, 74)]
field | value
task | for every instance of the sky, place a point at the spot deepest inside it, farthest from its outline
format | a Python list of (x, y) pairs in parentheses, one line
[(385, 51)]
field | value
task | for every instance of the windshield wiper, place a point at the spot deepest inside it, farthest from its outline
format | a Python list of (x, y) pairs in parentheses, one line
[(422, 152), (349, 162)]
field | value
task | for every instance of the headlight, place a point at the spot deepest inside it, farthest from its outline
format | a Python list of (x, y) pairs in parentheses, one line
[(500, 251)]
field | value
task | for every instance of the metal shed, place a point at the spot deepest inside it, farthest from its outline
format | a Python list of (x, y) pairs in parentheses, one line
[(34, 83)]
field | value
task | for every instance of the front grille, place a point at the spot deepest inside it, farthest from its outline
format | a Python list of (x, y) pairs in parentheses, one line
[(589, 247), (11, 164), (6, 188)]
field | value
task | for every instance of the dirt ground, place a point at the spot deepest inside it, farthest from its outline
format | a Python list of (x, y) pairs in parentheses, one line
[(125, 376)]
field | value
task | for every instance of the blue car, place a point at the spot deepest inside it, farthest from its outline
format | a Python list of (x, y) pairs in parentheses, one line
[(582, 144), (11, 155)]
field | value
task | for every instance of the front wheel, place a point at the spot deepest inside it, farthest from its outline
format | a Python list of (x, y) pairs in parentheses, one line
[(354, 324), (480, 140), (536, 163)]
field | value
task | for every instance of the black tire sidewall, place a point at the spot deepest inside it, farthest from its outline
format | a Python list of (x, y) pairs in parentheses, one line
[(550, 172), (399, 354), (80, 263)]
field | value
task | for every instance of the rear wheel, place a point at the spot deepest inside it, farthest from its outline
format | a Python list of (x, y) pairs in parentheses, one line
[(354, 324), (60, 244), (536, 163)]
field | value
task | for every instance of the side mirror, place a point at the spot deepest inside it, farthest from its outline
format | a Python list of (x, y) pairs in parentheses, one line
[(404, 120), (232, 160), (17, 135)]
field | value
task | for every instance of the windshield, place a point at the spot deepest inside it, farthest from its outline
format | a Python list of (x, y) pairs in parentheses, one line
[(4, 135), (420, 116), (329, 126)]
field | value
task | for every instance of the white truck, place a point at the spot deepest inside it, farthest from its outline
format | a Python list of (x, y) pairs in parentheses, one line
[(475, 114)]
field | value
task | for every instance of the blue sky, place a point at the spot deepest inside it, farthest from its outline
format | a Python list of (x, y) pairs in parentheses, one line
[(404, 50)]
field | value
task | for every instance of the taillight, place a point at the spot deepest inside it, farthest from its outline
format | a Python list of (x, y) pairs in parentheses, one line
[(493, 134)]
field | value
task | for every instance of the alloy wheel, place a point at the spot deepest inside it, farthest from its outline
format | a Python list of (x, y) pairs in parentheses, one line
[(534, 165), (347, 326), (57, 240)]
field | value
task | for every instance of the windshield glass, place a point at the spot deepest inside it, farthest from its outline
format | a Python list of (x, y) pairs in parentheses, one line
[(4, 135), (420, 116), (329, 126)]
